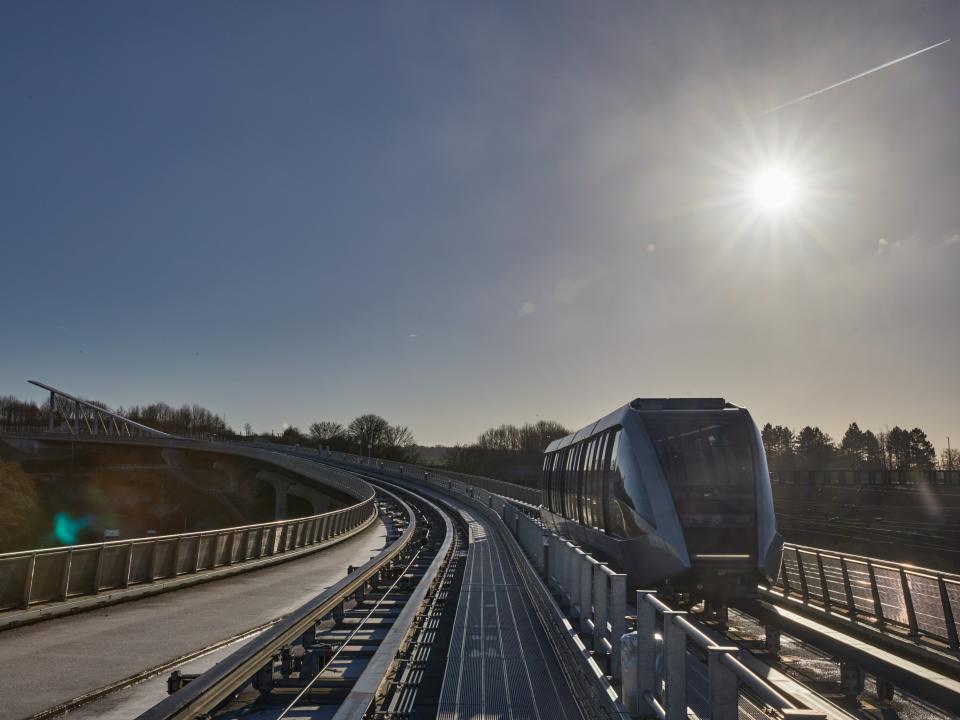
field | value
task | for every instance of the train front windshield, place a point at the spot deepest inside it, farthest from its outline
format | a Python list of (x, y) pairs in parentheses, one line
[(708, 462)]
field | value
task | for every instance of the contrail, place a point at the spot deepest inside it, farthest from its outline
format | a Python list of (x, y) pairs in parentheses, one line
[(851, 79)]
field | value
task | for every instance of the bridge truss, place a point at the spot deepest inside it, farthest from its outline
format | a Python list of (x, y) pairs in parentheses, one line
[(82, 417)]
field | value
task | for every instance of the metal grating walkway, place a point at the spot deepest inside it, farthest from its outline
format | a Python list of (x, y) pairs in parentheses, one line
[(499, 663)]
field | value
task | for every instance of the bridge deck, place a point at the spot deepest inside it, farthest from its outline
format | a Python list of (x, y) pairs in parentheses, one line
[(57, 660), (499, 663)]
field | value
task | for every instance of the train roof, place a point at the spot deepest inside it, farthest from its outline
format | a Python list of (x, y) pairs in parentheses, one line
[(639, 405)]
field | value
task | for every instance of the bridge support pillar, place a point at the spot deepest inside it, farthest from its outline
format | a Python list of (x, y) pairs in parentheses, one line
[(851, 678), (772, 638)]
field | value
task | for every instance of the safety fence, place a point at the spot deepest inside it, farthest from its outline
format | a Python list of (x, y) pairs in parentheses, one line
[(924, 602), (58, 574), (34, 577), (865, 478), (656, 670)]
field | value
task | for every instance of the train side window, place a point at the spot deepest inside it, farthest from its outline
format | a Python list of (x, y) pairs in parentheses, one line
[(627, 489), (558, 482), (545, 475), (603, 462), (596, 486), (587, 484), (571, 483)]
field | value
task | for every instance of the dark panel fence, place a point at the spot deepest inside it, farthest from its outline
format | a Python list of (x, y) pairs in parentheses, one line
[(923, 602), (859, 478)]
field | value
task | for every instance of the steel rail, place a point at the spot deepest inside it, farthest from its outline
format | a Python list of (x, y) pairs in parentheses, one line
[(370, 685), (223, 680)]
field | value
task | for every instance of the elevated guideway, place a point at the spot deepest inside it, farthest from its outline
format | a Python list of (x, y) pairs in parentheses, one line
[(49, 664)]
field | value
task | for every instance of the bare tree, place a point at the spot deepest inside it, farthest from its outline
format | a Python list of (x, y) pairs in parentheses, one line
[(368, 431), (327, 430), (398, 436), (247, 429)]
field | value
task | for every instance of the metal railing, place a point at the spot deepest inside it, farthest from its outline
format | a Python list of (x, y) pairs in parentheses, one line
[(866, 478), (58, 574), (655, 681), (924, 602), (34, 577)]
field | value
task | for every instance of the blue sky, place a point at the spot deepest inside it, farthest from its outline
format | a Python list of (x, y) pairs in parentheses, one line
[(457, 215)]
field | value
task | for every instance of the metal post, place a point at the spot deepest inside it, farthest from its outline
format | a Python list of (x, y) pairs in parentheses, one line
[(948, 619), (908, 604), (599, 607), (98, 575), (51, 411), (804, 590), (724, 690), (129, 564), (848, 590), (875, 592), (28, 580), (154, 559), (645, 675), (578, 560), (824, 590), (675, 662), (630, 689), (618, 618), (587, 570), (65, 579)]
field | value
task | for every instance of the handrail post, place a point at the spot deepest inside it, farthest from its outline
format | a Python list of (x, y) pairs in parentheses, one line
[(784, 577), (848, 590), (908, 604), (804, 590), (875, 592), (28, 580), (618, 619), (599, 606), (723, 690), (154, 559), (65, 578), (824, 590), (129, 564), (675, 666), (98, 575), (645, 675), (948, 618)]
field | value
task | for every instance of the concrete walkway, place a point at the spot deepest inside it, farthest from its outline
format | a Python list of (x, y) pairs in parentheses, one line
[(52, 662)]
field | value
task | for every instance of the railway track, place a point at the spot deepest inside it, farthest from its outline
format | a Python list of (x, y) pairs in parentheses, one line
[(358, 649)]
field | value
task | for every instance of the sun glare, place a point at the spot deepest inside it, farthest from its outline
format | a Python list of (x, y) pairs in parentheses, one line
[(773, 189)]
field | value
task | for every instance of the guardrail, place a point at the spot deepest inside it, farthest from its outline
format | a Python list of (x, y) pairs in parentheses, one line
[(58, 574), (34, 577), (655, 678), (923, 602)]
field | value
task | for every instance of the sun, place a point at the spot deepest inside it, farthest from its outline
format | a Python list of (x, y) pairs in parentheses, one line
[(773, 189)]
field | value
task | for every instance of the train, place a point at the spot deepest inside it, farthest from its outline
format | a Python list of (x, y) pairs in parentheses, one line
[(675, 492)]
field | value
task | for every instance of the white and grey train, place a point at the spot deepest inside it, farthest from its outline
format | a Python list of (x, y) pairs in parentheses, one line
[(675, 492)]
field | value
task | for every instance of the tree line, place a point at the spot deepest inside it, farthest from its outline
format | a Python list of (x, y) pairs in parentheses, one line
[(812, 449), (507, 452), (367, 434)]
